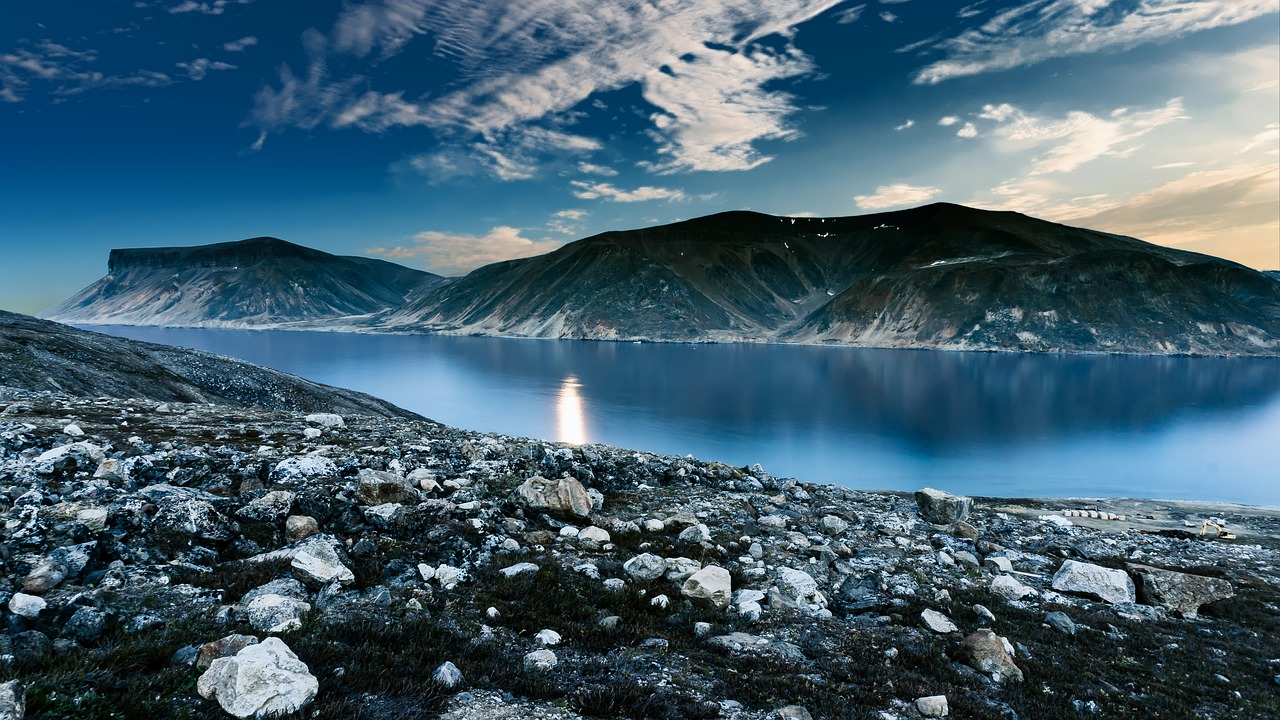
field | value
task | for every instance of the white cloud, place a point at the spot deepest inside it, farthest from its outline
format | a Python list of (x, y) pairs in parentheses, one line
[(217, 7), (888, 17), (605, 191), (948, 121), (968, 131), (199, 68), (1268, 141), (592, 169), (459, 253), (506, 156), (1173, 165), (564, 221), (240, 45), (1080, 137), (65, 70), (905, 126), (1044, 29), (572, 214), (848, 16), (700, 64), (898, 195)]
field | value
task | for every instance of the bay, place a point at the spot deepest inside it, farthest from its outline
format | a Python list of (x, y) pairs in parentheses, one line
[(995, 424)]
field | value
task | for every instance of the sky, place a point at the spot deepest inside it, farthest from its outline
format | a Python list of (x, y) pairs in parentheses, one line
[(446, 134)]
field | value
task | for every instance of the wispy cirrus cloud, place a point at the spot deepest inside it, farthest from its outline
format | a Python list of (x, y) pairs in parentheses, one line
[(701, 65), (1045, 29), (447, 253), (216, 7), (605, 191), (1079, 137), (896, 195), (65, 72)]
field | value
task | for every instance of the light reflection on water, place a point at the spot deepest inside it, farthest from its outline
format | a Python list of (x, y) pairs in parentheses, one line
[(571, 423), (978, 423)]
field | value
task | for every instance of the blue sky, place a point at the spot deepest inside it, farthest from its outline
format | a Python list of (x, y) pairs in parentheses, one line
[(446, 134)]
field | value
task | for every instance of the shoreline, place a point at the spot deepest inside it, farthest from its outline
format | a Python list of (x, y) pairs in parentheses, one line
[(418, 570)]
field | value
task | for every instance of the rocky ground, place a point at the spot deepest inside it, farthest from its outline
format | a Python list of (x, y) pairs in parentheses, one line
[(195, 561)]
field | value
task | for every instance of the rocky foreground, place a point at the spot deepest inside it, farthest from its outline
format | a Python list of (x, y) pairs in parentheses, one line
[(196, 561)]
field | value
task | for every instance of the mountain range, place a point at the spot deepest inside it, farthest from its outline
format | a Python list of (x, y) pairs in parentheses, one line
[(261, 282), (939, 276)]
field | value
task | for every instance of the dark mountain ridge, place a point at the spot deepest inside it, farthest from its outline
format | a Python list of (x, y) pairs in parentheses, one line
[(259, 282), (939, 276)]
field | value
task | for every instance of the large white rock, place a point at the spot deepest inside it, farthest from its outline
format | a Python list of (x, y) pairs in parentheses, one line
[(28, 606), (276, 613), (796, 584), (710, 586), (1113, 586), (260, 681), (646, 567), (316, 560), (565, 497), (326, 420)]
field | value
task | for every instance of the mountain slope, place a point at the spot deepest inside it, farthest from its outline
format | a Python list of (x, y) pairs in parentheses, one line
[(260, 282), (39, 355), (939, 276)]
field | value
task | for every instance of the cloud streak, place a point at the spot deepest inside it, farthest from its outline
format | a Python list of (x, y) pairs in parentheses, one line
[(1041, 30), (700, 65), (606, 191), (897, 195)]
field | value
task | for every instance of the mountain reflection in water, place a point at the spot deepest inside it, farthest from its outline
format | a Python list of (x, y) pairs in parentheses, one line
[(982, 423)]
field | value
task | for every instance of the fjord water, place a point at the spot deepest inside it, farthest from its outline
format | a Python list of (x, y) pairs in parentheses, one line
[(1000, 424)]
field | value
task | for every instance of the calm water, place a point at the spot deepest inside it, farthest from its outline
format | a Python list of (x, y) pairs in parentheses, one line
[(977, 423)]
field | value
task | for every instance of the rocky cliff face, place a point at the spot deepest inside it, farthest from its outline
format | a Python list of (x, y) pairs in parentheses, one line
[(252, 283), (941, 276), (38, 355)]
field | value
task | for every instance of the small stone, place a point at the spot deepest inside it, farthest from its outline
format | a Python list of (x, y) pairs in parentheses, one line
[(93, 519), (73, 430), (548, 637), (702, 629), (86, 625), (447, 675), (269, 508), (833, 525), (661, 602), (964, 530), (427, 572), (449, 576), (680, 569), (695, 534), (645, 568), (934, 706), (13, 700), (984, 613), (987, 653), (27, 606), (793, 712), (941, 508), (276, 613), (317, 561), (375, 487), (593, 536), (260, 681), (540, 660), (797, 585), (654, 526), (1007, 587), (518, 569), (710, 586), (1061, 622), (998, 565), (223, 647), (609, 624), (938, 622), (615, 584), (300, 527), (44, 578)]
